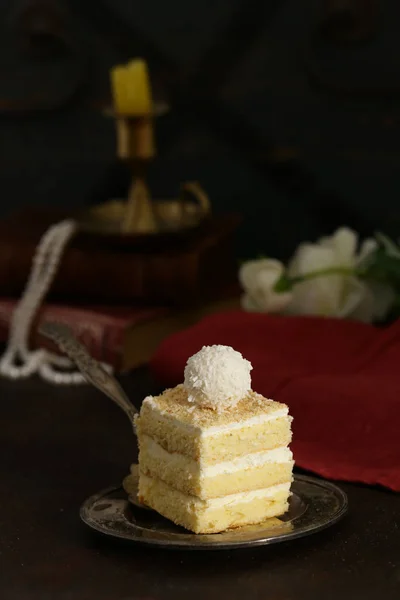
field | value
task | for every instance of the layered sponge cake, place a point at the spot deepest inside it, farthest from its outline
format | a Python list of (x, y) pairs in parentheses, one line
[(213, 454)]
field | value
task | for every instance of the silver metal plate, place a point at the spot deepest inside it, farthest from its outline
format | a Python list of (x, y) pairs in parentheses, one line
[(314, 505)]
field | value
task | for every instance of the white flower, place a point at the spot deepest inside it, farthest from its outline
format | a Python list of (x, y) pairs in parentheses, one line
[(258, 278), (339, 295)]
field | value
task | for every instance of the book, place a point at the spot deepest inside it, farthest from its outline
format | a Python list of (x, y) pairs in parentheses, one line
[(98, 269), (124, 337)]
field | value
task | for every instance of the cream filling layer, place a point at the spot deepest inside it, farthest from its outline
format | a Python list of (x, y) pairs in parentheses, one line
[(242, 463), (249, 496), (250, 461), (217, 429)]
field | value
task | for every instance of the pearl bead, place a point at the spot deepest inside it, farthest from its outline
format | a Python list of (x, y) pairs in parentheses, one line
[(45, 264)]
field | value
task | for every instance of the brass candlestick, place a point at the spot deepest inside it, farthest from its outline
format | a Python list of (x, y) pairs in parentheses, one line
[(140, 216), (135, 145)]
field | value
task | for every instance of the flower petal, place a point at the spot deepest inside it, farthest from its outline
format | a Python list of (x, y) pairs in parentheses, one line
[(278, 303), (293, 269), (368, 246), (258, 279), (358, 302), (310, 257), (319, 296), (344, 242), (248, 304), (267, 278), (249, 271)]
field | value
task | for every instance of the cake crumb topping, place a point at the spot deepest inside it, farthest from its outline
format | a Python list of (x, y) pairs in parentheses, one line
[(217, 377), (174, 402)]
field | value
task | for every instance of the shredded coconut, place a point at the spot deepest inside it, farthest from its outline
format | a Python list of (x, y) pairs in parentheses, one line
[(217, 377)]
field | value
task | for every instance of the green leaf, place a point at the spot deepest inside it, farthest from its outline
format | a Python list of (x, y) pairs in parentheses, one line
[(284, 284), (382, 267), (389, 245)]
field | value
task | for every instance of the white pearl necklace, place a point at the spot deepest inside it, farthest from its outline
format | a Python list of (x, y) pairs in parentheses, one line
[(18, 361)]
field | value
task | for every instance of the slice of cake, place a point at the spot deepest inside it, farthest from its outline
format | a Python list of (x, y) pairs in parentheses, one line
[(213, 454)]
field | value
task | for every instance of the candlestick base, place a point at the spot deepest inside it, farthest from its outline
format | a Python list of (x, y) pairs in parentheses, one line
[(169, 216)]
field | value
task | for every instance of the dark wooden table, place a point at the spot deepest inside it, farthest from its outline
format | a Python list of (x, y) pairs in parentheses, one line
[(60, 445)]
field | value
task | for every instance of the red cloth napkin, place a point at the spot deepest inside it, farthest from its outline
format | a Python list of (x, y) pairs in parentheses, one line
[(341, 380)]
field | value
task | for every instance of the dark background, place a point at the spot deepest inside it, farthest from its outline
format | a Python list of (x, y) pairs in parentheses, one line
[(287, 111)]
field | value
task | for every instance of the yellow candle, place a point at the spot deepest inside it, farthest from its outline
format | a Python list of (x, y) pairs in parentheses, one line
[(131, 89)]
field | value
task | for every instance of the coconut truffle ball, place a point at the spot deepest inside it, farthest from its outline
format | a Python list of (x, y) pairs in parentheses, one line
[(217, 377)]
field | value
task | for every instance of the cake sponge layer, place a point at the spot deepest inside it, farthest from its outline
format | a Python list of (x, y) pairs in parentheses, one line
[(247, 440), (213, 516), (252, 472), (255, 425)]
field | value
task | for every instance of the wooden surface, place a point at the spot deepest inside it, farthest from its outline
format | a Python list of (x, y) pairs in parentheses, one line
[(58, 446), (169, 269)]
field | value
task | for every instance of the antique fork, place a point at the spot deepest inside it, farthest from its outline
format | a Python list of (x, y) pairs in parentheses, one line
[(97, 375), (90, 368)]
